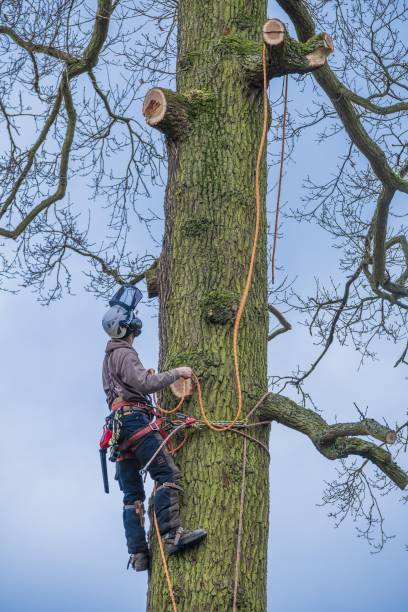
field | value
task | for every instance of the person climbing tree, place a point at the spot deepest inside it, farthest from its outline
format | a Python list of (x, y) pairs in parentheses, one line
[(77, 74), (127, 385)]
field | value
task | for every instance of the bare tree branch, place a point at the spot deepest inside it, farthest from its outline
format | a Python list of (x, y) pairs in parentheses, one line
[(74, 67), (334, 441), (380, 233), (329, 341), (286, 326), (59, 193), (365, 427), (120, 279), (31, 47), (305, 28), (371, 106)]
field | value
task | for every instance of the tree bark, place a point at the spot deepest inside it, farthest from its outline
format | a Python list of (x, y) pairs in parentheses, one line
[(209, 226)]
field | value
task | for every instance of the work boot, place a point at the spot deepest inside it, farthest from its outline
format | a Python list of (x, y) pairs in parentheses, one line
[(180, 539), (140, 562)]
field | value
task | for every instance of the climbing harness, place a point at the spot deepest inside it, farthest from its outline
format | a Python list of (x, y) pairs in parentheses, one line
[(188, 422), (113, 424), (119, 451), (130, 443)]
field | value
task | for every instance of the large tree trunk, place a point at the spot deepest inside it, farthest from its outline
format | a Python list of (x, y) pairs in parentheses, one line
[(209, 210), (213, 126)]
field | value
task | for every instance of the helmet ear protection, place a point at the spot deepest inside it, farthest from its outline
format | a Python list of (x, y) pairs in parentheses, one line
[(134, 326), (120, 320)]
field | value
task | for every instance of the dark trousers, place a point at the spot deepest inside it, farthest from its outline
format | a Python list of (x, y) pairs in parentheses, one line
[(162, 470)]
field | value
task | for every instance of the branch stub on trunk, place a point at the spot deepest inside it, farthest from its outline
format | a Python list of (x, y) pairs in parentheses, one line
[(286, 55), (154, 106), (152, 281), (391, 437), (319, 56), (273, 32), (167, 111)]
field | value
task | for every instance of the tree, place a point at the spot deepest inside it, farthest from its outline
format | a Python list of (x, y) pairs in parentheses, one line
[(212, 128)]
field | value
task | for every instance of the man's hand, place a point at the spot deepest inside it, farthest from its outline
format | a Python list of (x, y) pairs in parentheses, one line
[(184, 372), (151, 371)]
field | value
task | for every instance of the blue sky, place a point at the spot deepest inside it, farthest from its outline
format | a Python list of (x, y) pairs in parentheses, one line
[(62, 546), (62, 541)]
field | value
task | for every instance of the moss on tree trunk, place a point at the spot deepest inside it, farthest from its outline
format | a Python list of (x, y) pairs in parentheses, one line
[(209, 225)]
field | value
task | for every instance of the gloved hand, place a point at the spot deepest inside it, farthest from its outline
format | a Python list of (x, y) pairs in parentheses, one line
[(184, 372)]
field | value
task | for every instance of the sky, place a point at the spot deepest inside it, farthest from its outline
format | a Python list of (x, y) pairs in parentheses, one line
[(62, 544)]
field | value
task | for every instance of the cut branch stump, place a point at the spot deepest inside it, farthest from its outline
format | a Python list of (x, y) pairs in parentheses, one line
[(167, 111), (273, 32)]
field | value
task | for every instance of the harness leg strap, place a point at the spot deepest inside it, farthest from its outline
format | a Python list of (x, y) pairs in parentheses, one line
[(169, 485), (139, 510)]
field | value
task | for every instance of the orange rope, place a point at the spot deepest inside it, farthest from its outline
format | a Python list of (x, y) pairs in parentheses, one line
[(172, 410), (164, 562), (275, 236), (248, 282), (180, 446)]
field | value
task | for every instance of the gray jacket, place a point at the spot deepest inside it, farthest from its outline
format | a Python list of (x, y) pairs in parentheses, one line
[(123, 375)]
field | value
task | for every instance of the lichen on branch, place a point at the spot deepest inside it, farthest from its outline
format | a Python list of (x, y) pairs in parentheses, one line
[(173, 113), (287, 57)]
